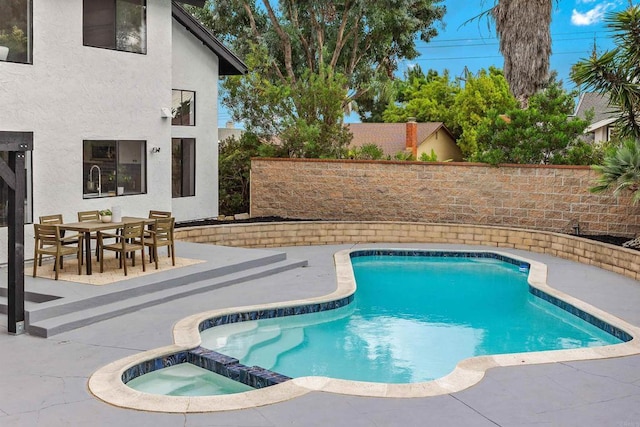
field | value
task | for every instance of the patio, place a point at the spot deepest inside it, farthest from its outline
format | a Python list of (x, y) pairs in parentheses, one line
[(45, 380), (112, 271)]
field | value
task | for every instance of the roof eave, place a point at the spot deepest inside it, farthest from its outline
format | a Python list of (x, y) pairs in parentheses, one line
[(199, 3), (230, 64), (597, 125)]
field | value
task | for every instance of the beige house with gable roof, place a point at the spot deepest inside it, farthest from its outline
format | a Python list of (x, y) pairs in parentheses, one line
[(416, 138)]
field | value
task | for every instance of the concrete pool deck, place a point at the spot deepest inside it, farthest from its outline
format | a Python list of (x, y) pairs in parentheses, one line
[(44, 381)]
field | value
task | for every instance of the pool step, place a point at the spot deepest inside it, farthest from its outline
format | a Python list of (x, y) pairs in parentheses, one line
[(269, 352), (239, 338), (50, 321)]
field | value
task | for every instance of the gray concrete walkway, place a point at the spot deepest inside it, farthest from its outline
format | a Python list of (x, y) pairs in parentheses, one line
[(43, 382)]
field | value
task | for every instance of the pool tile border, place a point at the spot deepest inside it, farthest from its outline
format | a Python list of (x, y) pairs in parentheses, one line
[(108, 383)]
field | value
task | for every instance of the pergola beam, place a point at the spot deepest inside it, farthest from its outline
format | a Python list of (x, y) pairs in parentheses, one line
[(13, 174)]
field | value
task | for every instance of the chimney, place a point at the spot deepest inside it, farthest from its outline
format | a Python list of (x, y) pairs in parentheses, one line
[(412, 136), (230, 125)]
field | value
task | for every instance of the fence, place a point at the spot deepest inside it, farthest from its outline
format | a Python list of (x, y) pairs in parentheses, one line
[(539, 197)]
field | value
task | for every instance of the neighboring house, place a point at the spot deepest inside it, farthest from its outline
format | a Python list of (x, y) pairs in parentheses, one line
[(604, 116), (228, 132), (121, 97), (416, 138)]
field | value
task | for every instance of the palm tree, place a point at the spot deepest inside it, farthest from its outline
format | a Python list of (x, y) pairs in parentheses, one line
[(620, 169), (523, 27), (525, 44), (616, 72)]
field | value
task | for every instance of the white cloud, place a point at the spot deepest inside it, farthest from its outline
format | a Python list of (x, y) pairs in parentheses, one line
[(592, 16)]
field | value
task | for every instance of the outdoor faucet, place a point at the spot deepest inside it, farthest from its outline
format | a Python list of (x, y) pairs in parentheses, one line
[(99, 178)]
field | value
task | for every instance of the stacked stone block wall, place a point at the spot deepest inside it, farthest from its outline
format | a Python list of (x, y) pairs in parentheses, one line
[(302, 233), (550, 198)]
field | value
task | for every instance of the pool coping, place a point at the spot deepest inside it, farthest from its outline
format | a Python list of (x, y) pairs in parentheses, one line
[(107, 385)]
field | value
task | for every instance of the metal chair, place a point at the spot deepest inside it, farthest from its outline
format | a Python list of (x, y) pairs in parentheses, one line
[(161, 235), (49, 242), (129, 240)]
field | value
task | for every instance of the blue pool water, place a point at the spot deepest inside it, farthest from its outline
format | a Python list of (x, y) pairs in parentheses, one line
[(413, 319)]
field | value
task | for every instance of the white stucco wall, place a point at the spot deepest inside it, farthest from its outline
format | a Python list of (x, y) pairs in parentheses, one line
[(195, 68), (72, 93)]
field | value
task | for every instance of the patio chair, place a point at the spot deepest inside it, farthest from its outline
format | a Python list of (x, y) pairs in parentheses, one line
[(49, 242), (55, 220), (88, 216), (159, 214), (155, 215), (85, 216), (161, 235), (129, 240)]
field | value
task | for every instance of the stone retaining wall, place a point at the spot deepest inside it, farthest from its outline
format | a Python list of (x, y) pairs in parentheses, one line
[(550, 198), (275, 234)]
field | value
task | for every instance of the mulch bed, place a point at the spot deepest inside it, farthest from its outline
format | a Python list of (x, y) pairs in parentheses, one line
[(215, 221)]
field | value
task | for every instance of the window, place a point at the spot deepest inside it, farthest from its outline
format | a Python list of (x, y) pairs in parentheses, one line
[(115, 24), (15, 31), (610, 130), (183, 107), (183, 167), (114, 168), (4, 192)]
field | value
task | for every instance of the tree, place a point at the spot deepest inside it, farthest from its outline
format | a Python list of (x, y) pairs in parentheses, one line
[(427, 98), (234, 166), (366, 152), (616, 72), (436, 98), (620, 170), (523, 27), (483, 92), (354, 42), (540, 134)]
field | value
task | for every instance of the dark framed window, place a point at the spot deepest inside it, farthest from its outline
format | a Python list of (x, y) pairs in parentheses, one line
[(114, 168), (15, 31), (28, 197), (183, 107), (115, 24), (183, 167)]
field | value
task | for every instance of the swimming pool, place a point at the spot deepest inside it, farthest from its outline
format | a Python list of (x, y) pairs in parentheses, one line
[(414, 317), (108, 383)]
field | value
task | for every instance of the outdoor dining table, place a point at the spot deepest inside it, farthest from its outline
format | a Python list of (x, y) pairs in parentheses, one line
[(88, 227)]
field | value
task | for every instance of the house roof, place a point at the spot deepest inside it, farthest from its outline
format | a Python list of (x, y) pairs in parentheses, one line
[(390, 137), (600, 105), (230, 64)]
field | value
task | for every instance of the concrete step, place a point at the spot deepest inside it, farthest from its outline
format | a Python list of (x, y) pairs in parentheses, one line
[(4, 305), (144, 286), (69, 320)]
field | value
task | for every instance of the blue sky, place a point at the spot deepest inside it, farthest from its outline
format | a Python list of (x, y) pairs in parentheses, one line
[(575, 25)]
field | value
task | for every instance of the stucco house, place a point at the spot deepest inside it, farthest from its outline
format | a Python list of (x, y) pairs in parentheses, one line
[(604, 116), (229, 131), (413, 137), (121, 98)]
